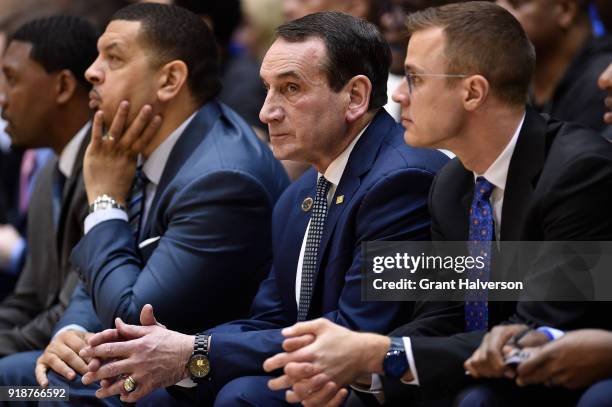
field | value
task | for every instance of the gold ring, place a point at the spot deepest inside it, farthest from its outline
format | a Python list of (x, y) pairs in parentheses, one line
[(129, 384), (108, 137)]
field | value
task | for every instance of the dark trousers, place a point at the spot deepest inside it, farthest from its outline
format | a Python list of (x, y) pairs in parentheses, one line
[(598, 395), (501, 393)]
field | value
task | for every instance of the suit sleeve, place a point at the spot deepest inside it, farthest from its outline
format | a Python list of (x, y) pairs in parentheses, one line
[(394, 208), (80, 312), (215, 241)]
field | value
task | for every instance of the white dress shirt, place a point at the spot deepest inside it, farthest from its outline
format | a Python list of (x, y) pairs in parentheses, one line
[(68, 156)]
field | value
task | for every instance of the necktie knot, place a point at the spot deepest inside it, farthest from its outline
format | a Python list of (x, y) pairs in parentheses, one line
[(323, 186), (483, 188)]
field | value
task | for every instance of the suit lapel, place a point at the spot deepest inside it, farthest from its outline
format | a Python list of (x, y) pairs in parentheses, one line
[(187, 143), (466, 202), (359, 163), (525, 167)]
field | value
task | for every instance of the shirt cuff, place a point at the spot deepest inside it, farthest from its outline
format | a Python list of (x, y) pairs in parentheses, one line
[(102, 215), (16, 257), (410, 357), (187, 383), (375, 389), (73, 327), (375, 385), (552, 333)]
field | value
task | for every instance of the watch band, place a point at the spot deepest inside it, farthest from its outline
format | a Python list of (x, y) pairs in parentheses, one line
[(200, 345), (199, 364), (396, 364), (104, 202)]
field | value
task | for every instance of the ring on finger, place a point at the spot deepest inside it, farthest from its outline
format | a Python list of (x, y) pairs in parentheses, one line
[(129, 384)]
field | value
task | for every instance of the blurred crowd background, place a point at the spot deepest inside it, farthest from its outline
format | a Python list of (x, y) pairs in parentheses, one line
[(571, 54)]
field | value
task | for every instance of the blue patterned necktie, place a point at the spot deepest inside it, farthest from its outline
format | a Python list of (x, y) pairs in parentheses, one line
[(137, 200), (482, 232), (313, 241)]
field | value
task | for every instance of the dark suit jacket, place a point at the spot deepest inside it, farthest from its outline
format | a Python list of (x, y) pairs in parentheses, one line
[(558, 189), (212, 211), (42, 293), (10, 165), (385, 186)]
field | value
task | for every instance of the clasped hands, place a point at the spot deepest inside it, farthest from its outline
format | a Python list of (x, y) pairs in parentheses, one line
[(110, 160), (576, 360), (148, 353), (152, 355), (321, 357)]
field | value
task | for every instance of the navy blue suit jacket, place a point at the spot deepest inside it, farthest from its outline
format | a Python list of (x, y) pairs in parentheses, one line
[(212, 211), (385, 186)]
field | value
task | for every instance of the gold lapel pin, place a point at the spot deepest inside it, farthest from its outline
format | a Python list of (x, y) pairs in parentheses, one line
[(307, 204), (339, 199)]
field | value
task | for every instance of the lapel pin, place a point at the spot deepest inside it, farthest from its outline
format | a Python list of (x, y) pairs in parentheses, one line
[(307, 204), (339, 199)]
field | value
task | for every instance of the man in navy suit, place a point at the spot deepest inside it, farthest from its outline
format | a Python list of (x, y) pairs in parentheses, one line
[(326, 78), (189, 230)]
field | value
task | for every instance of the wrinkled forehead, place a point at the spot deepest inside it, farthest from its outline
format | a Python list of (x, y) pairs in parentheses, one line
[(305, 59)]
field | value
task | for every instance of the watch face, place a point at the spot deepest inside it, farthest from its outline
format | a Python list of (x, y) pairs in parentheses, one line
[(199, 366)]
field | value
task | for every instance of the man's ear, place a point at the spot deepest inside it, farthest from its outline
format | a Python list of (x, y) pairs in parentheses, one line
[(65, 86), (475, 91), (359, 90), (567, 12), (171, 80)]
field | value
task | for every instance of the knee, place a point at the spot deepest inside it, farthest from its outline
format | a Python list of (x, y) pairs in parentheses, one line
[(476, 396), (598, 395), (246, 391), (18, 369)]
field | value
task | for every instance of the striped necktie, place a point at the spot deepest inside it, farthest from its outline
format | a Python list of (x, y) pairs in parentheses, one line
[(137, 200), (313, 241), (482, 232)]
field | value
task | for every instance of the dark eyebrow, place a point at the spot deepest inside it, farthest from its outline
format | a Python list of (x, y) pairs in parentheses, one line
[(408, 68), (112, 46)]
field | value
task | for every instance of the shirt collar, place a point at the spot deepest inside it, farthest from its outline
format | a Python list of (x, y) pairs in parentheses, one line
[(497, 173), (334, 171), (154, 166), (69, 154)]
